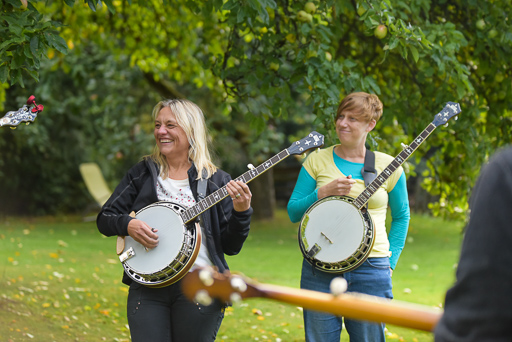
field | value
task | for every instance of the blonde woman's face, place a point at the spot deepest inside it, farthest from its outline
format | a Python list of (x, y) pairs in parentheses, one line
[(170, 137)]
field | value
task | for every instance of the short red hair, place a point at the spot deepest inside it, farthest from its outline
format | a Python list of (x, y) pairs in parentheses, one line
[(361, 104)]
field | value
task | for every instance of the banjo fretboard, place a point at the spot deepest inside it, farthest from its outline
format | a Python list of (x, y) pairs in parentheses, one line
[(364, 197), (217, 196), (313, 140)]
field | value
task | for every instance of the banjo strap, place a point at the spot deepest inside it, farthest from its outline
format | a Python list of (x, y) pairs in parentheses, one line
[(201, 185), (368, 171), (201, 188)]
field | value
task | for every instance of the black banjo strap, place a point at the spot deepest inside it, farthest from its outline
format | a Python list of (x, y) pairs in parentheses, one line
[(201, 185), (368, 171)]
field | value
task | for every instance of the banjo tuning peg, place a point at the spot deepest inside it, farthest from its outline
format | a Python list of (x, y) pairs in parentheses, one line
[(206, 277), (202, 297), (238, 284)]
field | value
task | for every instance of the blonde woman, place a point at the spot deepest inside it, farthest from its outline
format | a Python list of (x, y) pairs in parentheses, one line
[(171, 174)]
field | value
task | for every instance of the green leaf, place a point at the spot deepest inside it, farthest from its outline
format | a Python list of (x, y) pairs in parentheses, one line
[(349, 63), (34, 45), (415, 53), (6, 43), (92, 4), (372, 84), (110, 6), (57, 42), (70, 3), (4, 73), (17, 78), (16, 29), (34, 74)]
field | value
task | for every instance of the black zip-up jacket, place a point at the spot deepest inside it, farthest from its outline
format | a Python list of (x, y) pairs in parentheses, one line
[(225, 229)]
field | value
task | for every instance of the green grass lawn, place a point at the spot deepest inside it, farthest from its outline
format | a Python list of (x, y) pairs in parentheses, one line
[(60, 280)]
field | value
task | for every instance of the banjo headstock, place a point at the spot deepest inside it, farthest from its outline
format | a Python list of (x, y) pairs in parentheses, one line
[(27, 113), (202, 285), (313, 140), (450, 110)]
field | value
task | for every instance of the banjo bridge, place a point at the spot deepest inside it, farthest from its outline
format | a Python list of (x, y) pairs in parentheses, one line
[(130, 253), (325, 236)]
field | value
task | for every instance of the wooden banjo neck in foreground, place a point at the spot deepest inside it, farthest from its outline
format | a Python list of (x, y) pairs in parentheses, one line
[(201, 285)]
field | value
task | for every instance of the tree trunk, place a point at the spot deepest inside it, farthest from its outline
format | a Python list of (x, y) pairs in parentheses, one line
[(263, 196)]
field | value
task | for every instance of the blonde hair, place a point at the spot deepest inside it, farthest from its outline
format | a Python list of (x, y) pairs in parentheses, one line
[(364, 105), (191, 119)]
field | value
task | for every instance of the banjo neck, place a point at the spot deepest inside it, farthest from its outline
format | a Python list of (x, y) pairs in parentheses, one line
[(450, 110), (313, 140), (408, 150), (217, 196), (205, 284)]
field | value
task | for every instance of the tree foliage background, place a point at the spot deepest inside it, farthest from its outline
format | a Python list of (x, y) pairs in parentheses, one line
[(265, 74)]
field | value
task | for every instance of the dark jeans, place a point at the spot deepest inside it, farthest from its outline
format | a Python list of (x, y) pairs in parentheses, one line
[(166, 315)]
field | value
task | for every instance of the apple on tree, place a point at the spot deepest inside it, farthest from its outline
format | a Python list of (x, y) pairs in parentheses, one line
[(480, 24), (274, 66), (499, 77), (492, 33), (310, 7), (380, 31), (304, 17)]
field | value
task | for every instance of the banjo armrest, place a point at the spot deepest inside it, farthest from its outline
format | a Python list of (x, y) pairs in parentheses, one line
[(120, 244), (120, 240)]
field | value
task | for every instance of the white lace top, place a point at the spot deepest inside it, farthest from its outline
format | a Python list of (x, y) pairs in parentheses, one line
[(178, 191)]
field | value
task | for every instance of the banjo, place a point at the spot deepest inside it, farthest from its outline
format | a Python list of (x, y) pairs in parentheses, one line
[(203, 284), (27, 113), (179, 233), (336, 233)]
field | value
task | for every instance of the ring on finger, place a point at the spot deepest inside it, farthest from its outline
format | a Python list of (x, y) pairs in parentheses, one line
[(237, 195)]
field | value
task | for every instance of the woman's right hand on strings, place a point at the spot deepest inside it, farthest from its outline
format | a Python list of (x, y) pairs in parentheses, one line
[(337, 187), (142, 233)]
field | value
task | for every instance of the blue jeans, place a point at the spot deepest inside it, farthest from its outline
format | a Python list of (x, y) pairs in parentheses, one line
[(372, 277)]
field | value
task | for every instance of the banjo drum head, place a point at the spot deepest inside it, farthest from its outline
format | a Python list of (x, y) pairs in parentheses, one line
[(170, 238), (336, 226)]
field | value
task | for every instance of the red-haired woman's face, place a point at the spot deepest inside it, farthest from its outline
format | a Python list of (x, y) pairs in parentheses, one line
[(352, 129)]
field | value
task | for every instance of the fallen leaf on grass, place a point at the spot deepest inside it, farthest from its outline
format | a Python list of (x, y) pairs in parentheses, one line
[(105, 312), (257, 311)]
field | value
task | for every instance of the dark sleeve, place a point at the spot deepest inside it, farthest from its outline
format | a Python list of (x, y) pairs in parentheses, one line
[(479, 306), (114, 216), (234, 225)]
